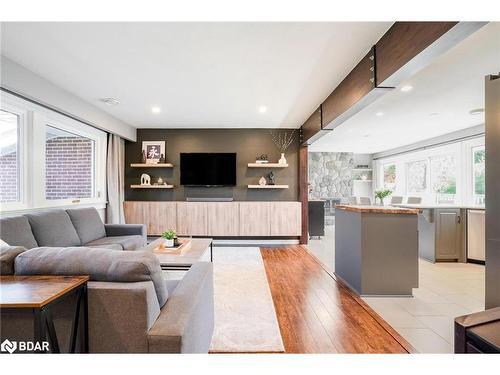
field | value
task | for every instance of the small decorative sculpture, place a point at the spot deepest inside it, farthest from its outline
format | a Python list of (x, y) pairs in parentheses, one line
[(162, 159), (160, 181), (262, 181), (145, 179), (271, 178), (143, 157)]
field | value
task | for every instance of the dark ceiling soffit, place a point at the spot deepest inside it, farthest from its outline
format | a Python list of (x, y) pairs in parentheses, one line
[(442, 44), (316, 136), (369, 98)]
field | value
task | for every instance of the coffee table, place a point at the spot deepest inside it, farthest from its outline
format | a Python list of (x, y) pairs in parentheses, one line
[(196, 250)]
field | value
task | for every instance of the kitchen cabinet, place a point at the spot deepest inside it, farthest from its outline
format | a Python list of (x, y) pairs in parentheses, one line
[(449, 231)]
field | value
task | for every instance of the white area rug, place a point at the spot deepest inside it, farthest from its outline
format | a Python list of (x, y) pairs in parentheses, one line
[(245, 319)]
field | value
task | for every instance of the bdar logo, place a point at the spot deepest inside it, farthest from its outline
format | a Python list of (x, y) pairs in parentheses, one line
[(8, 346)]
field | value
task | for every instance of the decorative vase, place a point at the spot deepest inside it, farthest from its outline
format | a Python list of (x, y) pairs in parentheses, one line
[(262, 181), (381, 201), (282, 159), (169, 243)]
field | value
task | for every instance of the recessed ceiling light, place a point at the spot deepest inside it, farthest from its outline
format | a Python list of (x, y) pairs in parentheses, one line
[(407, 88), (433, 114), (476, 111), (262, 109), (366, 135), (155, 109), (379, 114), (110, 101)]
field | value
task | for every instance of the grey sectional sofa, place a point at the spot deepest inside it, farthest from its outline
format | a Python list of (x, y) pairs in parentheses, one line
[(72, 227), (132, 309)]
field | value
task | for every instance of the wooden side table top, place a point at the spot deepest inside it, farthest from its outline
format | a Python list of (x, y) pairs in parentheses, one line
[(35, 291)]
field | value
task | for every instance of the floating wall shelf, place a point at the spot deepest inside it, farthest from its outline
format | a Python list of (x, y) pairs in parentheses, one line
[(141, 165), (151, 186), (267, 165), (362, 169), (268, 186)]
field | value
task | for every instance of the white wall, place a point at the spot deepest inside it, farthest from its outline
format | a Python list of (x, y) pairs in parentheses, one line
[(22, 81)]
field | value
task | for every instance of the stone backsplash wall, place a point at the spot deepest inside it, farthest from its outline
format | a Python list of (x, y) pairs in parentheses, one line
[(330, 174)]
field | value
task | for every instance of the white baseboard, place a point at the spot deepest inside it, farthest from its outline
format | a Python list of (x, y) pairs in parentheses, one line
[(257, 242)]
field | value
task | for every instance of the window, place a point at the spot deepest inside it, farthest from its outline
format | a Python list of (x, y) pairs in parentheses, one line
[(416, 176), (10, 189), (48, 159), (69, 165), (390, 176), (444, 180), (478, 174)]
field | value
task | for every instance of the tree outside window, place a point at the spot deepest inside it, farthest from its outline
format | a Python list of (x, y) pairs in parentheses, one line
[(417, 176), (444, 180), (390, 176), (478, 170)]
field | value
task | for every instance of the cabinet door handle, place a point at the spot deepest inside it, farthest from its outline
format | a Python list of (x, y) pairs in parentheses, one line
[(458, 219)]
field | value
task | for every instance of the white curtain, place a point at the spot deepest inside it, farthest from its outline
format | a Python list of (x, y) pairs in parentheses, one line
[(115, 167)]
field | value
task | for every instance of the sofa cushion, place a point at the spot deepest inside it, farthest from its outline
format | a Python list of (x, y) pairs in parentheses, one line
[(111, 246), (99, 264), (16, 231), (126, 242), (7, 256), (88, 223), (53, 228)]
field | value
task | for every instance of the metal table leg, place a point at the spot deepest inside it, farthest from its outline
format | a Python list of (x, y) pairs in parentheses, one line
[(54, 343)]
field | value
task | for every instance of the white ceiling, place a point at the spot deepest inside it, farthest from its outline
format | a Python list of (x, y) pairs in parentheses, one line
[(199, 74), (442, 96)]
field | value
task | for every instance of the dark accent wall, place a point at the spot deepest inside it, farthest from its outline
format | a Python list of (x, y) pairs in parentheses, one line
[(247, 143)]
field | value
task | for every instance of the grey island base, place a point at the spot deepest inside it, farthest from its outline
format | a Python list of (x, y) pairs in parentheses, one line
[(376, 249)]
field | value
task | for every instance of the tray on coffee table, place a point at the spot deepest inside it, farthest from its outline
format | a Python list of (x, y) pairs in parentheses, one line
[(194, 250)]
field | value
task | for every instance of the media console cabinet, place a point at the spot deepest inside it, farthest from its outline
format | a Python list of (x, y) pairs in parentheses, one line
[(217, 219)]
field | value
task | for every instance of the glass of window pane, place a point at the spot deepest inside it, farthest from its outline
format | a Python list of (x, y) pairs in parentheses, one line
[(9, 157), (443, 177), (417, 176), (69, 161), (390, 176), (478, 164)]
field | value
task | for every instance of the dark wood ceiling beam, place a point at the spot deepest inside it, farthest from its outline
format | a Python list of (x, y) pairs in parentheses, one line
[(404, 49), (408, 47)]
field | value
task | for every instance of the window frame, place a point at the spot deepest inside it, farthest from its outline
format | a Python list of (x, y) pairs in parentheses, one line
[(33, 162), (22, 149)]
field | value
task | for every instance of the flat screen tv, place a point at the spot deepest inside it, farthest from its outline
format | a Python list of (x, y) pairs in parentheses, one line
[(208, 169)]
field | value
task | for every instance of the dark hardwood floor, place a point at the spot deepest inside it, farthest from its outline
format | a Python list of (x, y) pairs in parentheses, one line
[(317, 314)]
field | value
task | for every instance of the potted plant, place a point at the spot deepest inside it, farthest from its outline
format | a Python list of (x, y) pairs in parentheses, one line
[(381, 194), (169, 237)]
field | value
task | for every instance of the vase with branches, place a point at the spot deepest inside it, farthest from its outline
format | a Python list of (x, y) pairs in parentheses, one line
[(282, 139)]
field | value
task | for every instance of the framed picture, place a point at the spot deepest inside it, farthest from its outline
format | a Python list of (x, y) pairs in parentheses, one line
[(154, 151)]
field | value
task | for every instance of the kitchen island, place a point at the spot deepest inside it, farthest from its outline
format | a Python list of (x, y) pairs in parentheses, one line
[(450, 233), (376, 249)]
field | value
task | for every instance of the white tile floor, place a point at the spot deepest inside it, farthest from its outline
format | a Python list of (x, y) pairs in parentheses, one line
[(446, 290)]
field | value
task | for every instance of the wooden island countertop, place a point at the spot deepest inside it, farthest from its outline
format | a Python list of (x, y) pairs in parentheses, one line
[(379, 209)]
